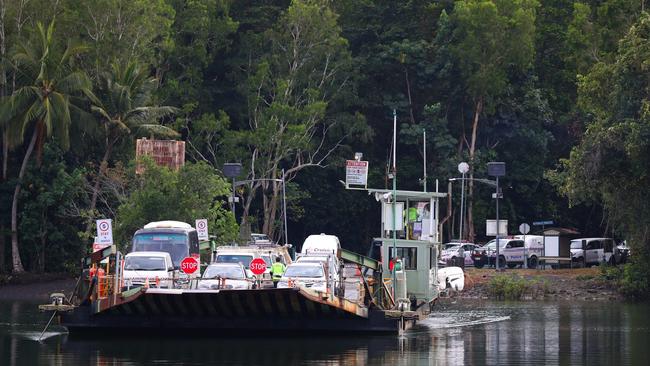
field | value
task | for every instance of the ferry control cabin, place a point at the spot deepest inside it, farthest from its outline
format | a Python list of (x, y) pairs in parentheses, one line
[(416, 242)]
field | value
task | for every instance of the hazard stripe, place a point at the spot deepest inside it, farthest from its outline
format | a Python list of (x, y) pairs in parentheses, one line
[(151, 302), (194, 306), (307, 307), (279, 301), (178, 305), (209, 305), (139, 306), (225, 305), (295, 305), (265, 300), (165, 304)]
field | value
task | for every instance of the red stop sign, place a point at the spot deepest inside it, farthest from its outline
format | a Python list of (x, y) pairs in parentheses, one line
[(258, 266), (189, 265)]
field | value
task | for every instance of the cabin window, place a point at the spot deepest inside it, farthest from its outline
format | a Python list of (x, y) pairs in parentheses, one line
[(409, 257)]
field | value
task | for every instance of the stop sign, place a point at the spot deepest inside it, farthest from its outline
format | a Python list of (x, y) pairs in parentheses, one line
[(258, 266), (189, 265)]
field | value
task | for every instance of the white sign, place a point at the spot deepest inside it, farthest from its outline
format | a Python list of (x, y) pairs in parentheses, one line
[(388, 216), (491, 228), (202, 229), (104, 232), (356, 173)]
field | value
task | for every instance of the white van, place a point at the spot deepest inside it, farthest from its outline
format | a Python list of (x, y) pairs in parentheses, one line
[(589, 251), (154, 268), (530, 247), (322, 248), (321, 243)]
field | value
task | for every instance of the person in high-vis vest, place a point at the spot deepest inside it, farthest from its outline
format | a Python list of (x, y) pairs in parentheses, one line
[(277, 270)]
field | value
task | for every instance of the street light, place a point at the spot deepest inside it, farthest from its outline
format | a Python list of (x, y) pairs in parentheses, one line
[(497, 169), (232, 170), (463, 168)]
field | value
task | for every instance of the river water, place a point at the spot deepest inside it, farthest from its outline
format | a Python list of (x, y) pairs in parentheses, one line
[(458, 333)]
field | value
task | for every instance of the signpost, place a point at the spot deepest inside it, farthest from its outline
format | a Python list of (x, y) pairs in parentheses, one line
[(189, 265), (525, 229), (542, 224), (356, 173), (258, 266), (497, 169), (202, 229)]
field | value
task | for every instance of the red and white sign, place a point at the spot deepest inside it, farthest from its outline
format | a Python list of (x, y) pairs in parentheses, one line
[(189, 265), (258, 266), (104, 232), (356, 172), (202, 229)]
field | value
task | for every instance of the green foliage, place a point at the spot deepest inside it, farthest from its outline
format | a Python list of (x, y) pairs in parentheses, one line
[(635, 281), (49, 221), (514, 287), (194, 192), (493, 37)]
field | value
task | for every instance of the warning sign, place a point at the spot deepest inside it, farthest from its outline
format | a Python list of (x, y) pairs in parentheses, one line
[(202, 229), (356, 173)]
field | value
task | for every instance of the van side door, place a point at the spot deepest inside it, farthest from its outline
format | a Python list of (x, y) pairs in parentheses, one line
[(593, 251)]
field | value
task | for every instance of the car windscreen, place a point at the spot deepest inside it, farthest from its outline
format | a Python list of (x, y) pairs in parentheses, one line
[(244, 259), (304, 271), (267, 260), (576, 244), (176, 244), (223, 271), (492, 245), (142, 263)]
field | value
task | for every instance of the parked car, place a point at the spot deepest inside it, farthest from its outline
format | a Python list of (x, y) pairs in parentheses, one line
[(528, 248), (226, 276), (486, 255), (451, 254), (312, 275), (623, 251), (591, 251), (154, 268)]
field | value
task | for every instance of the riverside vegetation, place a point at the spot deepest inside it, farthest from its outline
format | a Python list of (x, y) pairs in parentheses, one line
[(557, 89)]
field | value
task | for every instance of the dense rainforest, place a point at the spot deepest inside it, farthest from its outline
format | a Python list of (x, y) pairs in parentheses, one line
[(556, 89)]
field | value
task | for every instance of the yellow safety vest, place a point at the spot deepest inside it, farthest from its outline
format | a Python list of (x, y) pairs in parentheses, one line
[(277, 269)]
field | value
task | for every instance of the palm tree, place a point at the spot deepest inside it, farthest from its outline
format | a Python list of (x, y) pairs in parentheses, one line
[(123, 105), (49, 91)]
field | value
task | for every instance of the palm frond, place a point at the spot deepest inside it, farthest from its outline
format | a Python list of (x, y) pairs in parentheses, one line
[(158, 130)]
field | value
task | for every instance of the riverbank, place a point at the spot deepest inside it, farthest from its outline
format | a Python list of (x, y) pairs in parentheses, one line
[(588, 284), (35, 287)]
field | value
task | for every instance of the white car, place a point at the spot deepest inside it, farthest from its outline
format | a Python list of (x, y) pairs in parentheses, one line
[(451, 253), (154, 268), (588, 251), (226, 276), (312, 275)]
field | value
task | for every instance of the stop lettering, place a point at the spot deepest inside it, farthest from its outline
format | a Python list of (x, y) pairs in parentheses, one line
[(189, 265), (258, 266)]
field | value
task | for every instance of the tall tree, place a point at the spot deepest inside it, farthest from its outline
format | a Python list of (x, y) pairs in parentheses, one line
[(124, 108), (493, 38), (50, 90), (290, 93)]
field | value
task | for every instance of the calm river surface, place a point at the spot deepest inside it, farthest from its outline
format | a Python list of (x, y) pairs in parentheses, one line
[(461, 333)]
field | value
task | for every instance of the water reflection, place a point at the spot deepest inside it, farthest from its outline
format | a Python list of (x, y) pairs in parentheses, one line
[(467, 333)]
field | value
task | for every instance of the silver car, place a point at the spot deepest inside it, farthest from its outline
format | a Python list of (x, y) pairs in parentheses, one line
[(220, 276)]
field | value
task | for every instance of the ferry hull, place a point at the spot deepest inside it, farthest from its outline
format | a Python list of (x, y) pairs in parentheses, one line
[(229, 312)]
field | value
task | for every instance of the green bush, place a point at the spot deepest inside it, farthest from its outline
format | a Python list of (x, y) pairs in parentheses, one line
[(508, 287), (635, 279)]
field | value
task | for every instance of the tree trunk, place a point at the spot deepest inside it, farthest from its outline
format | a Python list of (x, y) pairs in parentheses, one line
[(17, 265), (472, 149), (102, 170)]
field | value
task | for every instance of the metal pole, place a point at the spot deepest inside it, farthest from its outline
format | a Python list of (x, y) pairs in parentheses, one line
[(232, 203), (424, 141), (497, 261), (394, 202), (462, 207), (284, 208)]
